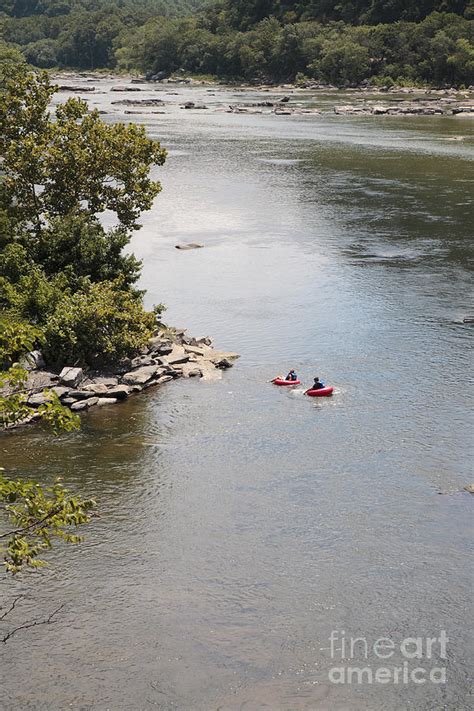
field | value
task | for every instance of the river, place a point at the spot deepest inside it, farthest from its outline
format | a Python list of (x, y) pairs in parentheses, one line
[(241, 525)]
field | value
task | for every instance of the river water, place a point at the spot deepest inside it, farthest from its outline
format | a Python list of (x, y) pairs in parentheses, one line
[(241, 525)]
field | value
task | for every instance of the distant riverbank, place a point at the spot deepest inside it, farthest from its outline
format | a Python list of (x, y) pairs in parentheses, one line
[(283, 100)]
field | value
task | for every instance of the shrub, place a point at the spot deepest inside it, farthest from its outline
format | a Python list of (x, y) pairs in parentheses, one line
[(98, 326)]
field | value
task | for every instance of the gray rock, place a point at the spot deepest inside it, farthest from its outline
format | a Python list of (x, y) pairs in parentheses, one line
[(38, 399), (190, 370), (469, 488), (177, 355), (60, 391), (33, 361), (71, 376), (142, 360), (198, 350), (79, 394), (209, 371), (141, 375), (159, 345), (40, 379), (103, 380), (106, 401), (119, 392), (68, 401), (96, 389), (125, 88), (84, 404), (224, 364), (189, 245)]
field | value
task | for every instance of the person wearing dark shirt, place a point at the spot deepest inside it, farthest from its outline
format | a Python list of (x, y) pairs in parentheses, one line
[(291, 375), (317, 385)]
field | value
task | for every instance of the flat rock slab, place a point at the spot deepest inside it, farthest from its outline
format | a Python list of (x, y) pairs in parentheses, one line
[(38, 380), (84, 404), (190, 370), (209, 372), (177, 355), (80, 394), (38, 399), (96, 389), (140, 376), (189, 245), (106, 401), (119, 392)]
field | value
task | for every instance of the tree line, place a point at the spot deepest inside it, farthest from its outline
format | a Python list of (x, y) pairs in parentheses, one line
[(345, 43)]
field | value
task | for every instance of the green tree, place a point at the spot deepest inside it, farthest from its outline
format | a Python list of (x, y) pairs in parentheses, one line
[(75, 164)]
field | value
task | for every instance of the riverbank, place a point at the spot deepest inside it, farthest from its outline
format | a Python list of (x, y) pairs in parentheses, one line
[(169, 355)]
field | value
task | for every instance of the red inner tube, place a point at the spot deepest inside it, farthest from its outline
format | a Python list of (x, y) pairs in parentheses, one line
[(322, 392), (277, 381)]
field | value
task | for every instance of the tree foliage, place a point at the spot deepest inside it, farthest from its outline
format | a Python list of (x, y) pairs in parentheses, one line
[(37, 516), (61, 272)]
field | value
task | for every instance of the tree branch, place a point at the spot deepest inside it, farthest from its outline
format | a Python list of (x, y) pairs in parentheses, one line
[(32, 623), (12, 607), (32, 525)]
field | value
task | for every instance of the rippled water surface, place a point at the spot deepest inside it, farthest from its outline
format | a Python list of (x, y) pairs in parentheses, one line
[(239, 524)]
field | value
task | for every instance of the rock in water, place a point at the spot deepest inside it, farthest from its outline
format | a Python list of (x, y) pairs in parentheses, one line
[(141, 375), (189, 245)]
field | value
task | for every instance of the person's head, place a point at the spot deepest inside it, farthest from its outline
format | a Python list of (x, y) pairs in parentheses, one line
[(316, 380)]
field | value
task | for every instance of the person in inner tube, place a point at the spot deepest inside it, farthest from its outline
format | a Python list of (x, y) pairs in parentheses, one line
[(291, 376), (317, 385)]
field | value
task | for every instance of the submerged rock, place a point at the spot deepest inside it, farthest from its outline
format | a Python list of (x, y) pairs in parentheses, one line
[(189, 245)]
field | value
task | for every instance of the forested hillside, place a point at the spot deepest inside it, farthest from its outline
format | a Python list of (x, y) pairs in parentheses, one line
[(79, 33), (344, 43)]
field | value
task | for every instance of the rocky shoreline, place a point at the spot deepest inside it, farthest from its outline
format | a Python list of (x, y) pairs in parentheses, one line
[(169, 355), (286, 99)]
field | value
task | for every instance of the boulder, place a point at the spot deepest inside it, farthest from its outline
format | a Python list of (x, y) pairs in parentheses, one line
[(84, 404), (98, 389), (142, 360), (33, 361), (79, 394), (159, 345), (157, 381), (40, 379), (106, 401), (140, 376), (218, 356), (190, 370), (224, 364), (125, 88), (177, 355), (119, 392), (469, 488), (102, 380), (209, 371), (189, 245), (60, 391), (198, 350), (71, 377), (39, 399)]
